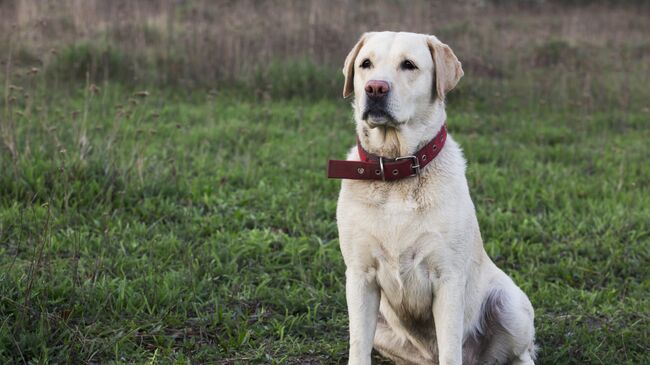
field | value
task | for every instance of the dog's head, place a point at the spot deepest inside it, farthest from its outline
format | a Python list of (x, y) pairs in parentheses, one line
[(398, 77)]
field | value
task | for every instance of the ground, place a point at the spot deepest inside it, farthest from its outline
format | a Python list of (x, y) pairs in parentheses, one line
[(172, 228)]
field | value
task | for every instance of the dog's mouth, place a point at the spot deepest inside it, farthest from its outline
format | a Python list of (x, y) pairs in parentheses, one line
[(376, 116)]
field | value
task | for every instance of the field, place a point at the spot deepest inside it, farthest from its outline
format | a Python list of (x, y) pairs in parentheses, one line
[(152, 222)]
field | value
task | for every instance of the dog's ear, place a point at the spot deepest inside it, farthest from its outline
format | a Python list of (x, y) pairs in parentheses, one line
[(447, 68), (348, 67)]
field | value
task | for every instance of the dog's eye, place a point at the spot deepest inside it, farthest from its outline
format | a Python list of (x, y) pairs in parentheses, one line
[(408, 65), (366, 63)]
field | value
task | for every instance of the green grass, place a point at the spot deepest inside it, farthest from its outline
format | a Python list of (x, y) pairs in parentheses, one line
[(200, 228)]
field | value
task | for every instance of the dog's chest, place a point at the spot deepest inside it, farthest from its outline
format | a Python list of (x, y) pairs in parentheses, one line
[(404, 253), (406, 275), (399, 235)]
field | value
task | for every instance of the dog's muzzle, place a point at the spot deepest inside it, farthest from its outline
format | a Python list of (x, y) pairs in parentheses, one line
[(376, 115)]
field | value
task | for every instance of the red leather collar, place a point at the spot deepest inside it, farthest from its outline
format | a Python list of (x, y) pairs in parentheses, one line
[(372, 167)]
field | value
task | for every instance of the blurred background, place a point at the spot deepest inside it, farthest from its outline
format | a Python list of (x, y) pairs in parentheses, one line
[(163, 197), (592, 53)]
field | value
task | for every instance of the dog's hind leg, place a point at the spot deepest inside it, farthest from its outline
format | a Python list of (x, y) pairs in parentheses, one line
[(507, 330)]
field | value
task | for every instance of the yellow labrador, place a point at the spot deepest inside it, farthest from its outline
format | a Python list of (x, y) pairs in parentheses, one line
[(420, 287)]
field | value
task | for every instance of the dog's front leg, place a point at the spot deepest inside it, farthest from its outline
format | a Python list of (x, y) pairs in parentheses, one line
[(448, 308), (362, 294)]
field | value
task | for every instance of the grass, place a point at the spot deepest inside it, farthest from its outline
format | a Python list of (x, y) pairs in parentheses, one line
[(200, 228)]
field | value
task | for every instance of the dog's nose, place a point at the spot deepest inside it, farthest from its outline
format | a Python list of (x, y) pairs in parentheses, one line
[(377, 89)]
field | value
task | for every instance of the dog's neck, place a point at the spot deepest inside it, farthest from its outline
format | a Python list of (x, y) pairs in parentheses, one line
[(403, 140)]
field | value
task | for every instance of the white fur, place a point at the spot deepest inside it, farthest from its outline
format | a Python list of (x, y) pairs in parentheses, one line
[(412, 248)]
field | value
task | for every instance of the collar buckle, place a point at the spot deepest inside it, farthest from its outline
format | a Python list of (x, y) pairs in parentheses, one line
[(415, 164)]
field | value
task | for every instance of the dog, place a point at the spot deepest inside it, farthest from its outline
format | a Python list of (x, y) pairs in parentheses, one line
[(420, 287)]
